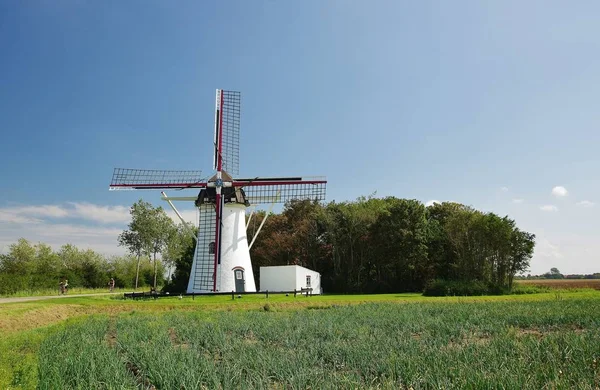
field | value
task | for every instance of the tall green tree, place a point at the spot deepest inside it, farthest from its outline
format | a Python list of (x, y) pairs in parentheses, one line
[(179, 240), (148, 233), (132, 240), (470, 246), (183, 265), (400, 243)]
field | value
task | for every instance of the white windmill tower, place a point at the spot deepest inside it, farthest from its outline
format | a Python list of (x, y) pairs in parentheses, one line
[(222, 255)]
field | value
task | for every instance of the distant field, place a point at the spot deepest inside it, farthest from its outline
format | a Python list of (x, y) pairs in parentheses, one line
[(562, 283)]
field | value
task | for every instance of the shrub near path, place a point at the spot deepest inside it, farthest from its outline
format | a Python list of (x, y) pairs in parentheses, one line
[(531, 345)]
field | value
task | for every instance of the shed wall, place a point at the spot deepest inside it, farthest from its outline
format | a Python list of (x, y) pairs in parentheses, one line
[(315, 279), (277, 278)]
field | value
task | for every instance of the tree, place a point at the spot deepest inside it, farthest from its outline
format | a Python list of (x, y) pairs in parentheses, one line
[(522, 245), (470, 246), (132, 240), (149, 232), (352, 264), (179, 240), (399, 239), (554, 274), (183, 266), (20, 258), (160, 232)]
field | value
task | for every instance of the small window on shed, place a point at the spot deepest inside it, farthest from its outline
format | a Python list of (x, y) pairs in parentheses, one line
[(211, 248), (307, 280)]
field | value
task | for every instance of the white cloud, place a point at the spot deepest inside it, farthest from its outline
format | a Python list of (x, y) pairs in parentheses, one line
[(86, 211), (517, 200), (43, 211), (8, 216), (31, 214), (585, 203), (83, 224), (431, 202), (103, 214), (560, 191), (89, 212), (547, 250), (76, 231), (504, 189), (189, 216), (549, 207)]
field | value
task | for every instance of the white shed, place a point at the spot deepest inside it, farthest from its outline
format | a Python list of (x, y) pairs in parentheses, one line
[(289, 278)]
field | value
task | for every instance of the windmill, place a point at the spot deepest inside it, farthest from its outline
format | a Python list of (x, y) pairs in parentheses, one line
[(222, 254)]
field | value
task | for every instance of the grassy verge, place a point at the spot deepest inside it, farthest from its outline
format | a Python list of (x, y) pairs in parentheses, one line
[(19, 358), (17, 317)]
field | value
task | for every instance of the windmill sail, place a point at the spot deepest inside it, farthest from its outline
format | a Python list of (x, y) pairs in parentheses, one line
[(138, 179), (281, 190), (227, 131), (202, 275)]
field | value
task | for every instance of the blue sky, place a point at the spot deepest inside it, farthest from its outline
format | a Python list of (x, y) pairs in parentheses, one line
[(491, 104)]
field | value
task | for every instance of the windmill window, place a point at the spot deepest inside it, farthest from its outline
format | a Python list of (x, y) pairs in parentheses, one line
[(211, 248), (307, 280)]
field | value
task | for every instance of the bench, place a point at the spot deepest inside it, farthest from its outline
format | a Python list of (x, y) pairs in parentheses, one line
[(307, 291)]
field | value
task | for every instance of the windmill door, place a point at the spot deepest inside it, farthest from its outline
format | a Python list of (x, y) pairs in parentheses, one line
[(240, 281)]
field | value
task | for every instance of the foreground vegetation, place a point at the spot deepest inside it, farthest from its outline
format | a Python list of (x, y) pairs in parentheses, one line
[(386, 341), (462, 346)]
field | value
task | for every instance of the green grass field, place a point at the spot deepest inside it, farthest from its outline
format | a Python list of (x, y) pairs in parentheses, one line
[(379, 341)]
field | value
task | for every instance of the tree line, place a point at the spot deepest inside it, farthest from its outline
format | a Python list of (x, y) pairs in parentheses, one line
[(556, 274), (382, 245), (371, 245), (34, 267), (29, 267)]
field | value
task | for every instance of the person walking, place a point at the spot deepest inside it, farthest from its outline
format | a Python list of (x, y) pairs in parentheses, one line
[(111, 284)]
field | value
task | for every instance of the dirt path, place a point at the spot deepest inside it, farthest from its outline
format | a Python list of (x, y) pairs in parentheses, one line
[(26, 299)]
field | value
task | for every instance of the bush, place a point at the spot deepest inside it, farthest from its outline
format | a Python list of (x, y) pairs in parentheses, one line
[(441, 288), (11, 284), (521, 289)]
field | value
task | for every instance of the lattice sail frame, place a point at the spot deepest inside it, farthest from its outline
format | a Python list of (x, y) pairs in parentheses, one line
[(227, 131), (203, 276), (132, 179), (281, 191)]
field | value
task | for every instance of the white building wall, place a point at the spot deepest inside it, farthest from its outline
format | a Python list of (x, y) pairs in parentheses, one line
[(315, 279), (234, 249), (288, 278), (278, 278)]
